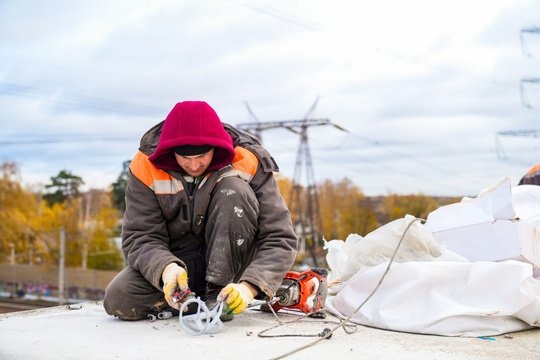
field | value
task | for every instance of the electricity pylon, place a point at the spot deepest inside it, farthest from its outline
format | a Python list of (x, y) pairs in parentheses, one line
[(529, 30), (304, 205), (528, 80), (501, 154)]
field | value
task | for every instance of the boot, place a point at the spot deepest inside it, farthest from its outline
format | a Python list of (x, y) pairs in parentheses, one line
[(212, 292)]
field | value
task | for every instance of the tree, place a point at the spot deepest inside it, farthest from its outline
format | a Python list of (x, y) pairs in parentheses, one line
[(99, 225), (90, 224), (64, 186), (397, 206), (344, 210), (284, 185), (103, 252), (30, 227), (18, 209), (49, 224), (119, 188)]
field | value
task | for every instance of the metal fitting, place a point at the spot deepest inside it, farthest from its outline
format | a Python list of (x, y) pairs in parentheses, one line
[(164, 315)]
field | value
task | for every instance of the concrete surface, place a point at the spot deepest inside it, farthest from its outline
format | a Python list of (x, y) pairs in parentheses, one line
[(87, 332)]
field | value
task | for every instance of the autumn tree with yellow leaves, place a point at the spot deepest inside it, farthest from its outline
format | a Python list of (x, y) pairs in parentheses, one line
[(19, 210), (417, 205), (344, 209), (32, 223)]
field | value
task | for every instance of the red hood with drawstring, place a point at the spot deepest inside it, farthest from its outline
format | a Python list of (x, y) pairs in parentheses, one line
[(192, 123)]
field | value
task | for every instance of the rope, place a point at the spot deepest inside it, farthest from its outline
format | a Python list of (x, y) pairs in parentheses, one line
[(346, 320)]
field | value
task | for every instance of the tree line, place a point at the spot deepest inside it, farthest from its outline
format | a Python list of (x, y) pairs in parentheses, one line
[(31, 220), (32, 223)]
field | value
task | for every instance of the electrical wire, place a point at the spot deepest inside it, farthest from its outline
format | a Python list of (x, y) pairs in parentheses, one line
[(348, 319), (279, 15), (66, 138), (80, 101)]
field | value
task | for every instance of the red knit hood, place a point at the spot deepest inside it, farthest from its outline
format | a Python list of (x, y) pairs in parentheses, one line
[(192, 123)]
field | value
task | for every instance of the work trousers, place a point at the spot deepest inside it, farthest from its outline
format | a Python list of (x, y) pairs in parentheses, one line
[(230, 230)]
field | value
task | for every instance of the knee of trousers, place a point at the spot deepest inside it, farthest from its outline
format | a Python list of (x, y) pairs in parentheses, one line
[(131, 297), (230, 229), (114, 300), (235, 205)]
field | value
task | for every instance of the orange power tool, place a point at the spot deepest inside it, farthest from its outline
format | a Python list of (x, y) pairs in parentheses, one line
[(305, 291)]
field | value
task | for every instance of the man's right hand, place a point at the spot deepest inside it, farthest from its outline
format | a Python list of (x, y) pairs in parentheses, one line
[(174, 277)]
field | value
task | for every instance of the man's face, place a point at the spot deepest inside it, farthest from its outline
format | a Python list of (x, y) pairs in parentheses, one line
[(195, 165)]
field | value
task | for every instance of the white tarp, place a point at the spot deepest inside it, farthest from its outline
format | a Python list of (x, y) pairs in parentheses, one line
[(526, 201), (443, 298), (430, 289), (492, 204), (497, 225), (357, 252)]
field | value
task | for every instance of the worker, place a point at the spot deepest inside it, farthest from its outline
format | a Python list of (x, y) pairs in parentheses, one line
[(532, 177), (204, 214)]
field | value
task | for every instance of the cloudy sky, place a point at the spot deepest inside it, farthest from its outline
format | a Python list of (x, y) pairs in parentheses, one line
[(435, 96)]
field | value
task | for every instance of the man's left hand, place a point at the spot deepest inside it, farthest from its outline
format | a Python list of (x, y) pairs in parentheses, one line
[(237, 297)]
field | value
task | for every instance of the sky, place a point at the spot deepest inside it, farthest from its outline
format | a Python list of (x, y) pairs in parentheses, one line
[(428, 97)]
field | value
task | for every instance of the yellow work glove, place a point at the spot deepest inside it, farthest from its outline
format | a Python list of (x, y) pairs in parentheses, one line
[(236, 297), (174, 277)]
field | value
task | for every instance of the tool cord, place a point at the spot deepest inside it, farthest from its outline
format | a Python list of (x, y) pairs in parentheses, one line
[(343, 322)]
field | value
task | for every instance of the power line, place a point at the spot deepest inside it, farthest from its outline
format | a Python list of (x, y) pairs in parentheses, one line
[(265, 10), (302, 23), (400, 154), (40, 139), (325, 153), (79, 101)]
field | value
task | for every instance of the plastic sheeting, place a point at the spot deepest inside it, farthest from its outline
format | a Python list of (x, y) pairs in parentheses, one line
[(443, 298), (526, 200), (357, 253), (430, 289)]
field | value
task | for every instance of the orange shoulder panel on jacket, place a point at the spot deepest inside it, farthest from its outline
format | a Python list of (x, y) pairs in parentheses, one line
[(143, 170), (245, 161)]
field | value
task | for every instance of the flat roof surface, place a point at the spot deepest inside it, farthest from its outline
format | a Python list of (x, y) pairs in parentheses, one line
[(85, 331)]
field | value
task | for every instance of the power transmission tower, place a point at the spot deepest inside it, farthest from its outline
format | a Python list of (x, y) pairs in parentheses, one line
[(524, 81), (501, 154), (526, 52), (304, 205), (526, 133), (256, 130), (529, 30)]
